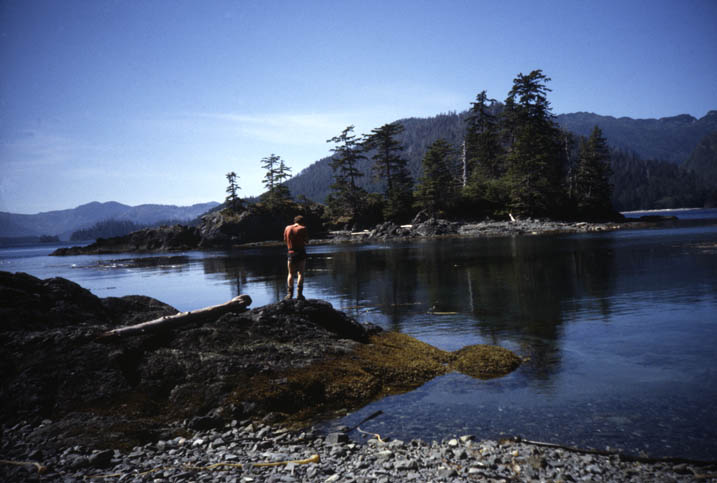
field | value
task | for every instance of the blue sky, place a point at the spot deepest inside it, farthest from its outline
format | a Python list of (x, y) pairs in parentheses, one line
[(155, 101)]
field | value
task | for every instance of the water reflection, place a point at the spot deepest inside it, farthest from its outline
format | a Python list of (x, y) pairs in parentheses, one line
[(517, 289), (619, 326), (519, 292)]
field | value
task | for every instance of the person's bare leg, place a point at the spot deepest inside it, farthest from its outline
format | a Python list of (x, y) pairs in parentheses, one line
[(300, 279), (290, 281)]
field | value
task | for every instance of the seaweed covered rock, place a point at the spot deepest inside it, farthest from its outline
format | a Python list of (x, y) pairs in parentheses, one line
[(294, 360)]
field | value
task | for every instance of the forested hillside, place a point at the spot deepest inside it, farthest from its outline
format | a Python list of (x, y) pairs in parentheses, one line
[(649, 185), (649, 157), (703, 160), (315, 181)]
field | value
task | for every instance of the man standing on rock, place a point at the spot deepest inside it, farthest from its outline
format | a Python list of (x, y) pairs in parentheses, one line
[(296, 238)]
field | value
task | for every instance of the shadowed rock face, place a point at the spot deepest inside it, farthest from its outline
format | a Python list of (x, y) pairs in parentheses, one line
[(53, 366), (295, 359), (162, 239)]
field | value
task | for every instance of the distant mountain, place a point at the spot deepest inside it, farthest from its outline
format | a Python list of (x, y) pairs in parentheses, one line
[(63, 222), (664, 141), (667, 139)]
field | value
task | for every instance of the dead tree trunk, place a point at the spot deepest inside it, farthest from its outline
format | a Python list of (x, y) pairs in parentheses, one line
[(239, 303)]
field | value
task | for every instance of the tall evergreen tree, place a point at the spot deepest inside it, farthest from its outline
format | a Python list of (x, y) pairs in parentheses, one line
[(391, 167), (232, 199), (277, 172), (347, 197), (483, 148), (271, 165), (437, 187), (535, 152), (484, 190), (593, 191)]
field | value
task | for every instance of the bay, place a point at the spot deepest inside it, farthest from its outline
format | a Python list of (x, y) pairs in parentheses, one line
[(619, 328)]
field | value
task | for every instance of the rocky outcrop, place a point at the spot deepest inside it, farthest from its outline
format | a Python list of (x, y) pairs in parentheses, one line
[(430, 227), (53, 363), (161, 239), (219, 229), (293, 359), (226, 228)]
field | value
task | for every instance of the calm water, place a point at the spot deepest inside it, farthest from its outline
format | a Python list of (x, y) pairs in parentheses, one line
[(620, 328)]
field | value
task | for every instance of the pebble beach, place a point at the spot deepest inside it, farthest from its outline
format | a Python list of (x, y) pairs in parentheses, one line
[(246, 451)]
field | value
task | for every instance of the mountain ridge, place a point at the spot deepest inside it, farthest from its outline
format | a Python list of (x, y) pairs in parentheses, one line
[(63, 222)]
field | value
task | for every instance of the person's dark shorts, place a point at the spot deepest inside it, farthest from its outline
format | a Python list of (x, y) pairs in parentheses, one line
[(297, 256)]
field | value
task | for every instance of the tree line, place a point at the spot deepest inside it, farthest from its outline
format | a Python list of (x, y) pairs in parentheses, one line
[(513, 160)]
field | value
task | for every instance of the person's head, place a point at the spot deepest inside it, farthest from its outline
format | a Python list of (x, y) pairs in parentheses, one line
[(299, 219)]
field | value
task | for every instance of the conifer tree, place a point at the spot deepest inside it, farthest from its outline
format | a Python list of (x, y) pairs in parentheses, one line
[(437, 187), (482, 139), (391, 167), (484, 190), (232, 199), (277, 172), (593, 191), (347, 197), (535, 155), (271, 165)]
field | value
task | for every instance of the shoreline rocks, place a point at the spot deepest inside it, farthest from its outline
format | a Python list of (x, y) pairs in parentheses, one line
[(204, 403), (293, 361), (249, 451), (248, 230)]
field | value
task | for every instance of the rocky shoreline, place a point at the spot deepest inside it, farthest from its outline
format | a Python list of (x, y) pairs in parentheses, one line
[(250, 451), (234, 399), (217, 233), (438, 228)]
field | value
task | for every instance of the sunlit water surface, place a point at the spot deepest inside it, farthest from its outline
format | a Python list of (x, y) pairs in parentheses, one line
[(620, 328)]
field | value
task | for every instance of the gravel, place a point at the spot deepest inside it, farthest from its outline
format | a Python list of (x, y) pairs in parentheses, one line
[(231, 454)]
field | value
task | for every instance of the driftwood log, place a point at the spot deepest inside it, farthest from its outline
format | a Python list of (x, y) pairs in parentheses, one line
[(239, 303)]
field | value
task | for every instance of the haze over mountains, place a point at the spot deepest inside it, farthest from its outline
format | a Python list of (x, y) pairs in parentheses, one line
[(63, 222)]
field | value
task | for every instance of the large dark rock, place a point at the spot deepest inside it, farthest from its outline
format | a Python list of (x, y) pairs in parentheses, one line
[(291, 360), (50, 360), (54, 366), (225, 228), (161, 239)]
